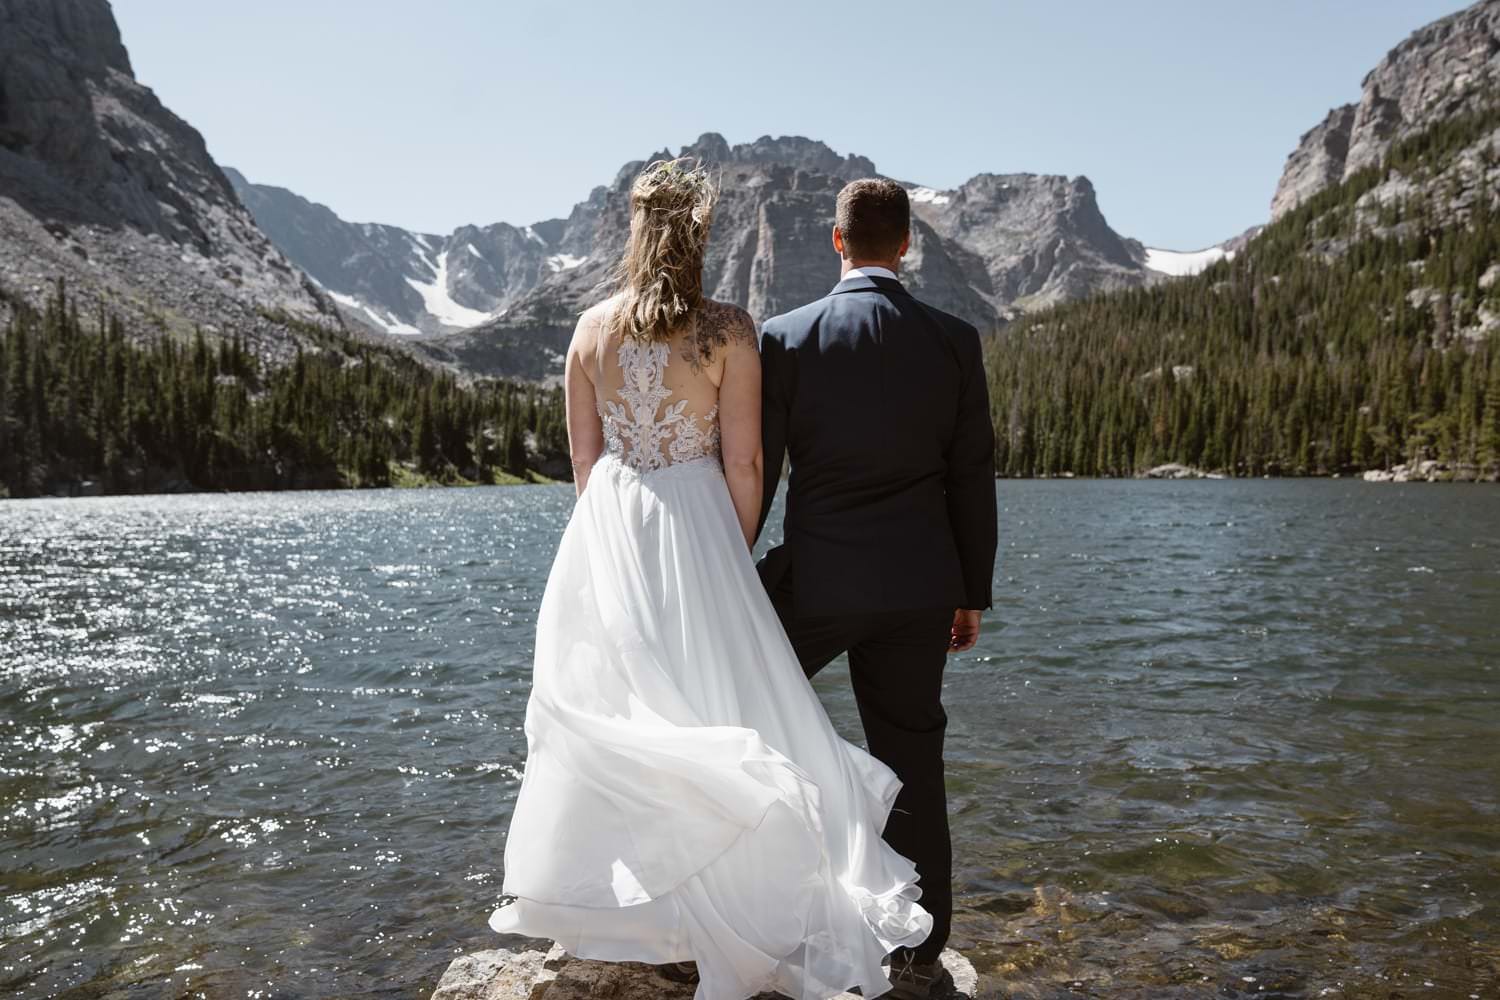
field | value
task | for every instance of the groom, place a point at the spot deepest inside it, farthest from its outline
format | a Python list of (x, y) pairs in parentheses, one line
[(880, 401)]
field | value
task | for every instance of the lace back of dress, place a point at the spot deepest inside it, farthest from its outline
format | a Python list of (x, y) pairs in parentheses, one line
[(652, 418)]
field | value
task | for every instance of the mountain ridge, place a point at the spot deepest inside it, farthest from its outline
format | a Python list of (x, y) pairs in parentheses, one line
[(989, 250)]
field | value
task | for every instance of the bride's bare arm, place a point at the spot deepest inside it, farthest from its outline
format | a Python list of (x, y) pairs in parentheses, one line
[(585, 431), (739, 419)]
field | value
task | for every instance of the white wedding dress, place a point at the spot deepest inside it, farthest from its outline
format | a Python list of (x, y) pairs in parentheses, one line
[(685, 796)]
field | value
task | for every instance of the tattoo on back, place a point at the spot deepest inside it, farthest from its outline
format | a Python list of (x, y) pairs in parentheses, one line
[(718, 324)]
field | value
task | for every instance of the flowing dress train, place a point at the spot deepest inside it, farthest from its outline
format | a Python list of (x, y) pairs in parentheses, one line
[(685, 796)]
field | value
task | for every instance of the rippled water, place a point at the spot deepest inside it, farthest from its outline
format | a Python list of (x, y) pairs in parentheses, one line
[(1219, 739)]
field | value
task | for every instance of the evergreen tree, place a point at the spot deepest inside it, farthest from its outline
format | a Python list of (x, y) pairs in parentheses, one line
[(479, 450), (515, 450)]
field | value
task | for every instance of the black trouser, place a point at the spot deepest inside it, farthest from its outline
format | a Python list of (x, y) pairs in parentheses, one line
[(896, 664)]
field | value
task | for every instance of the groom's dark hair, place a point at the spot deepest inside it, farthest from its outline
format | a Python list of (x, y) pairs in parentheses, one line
[(873, 217)]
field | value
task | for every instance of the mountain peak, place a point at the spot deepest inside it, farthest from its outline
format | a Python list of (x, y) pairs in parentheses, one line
[(82, 31), (710, 147), (796, 151)]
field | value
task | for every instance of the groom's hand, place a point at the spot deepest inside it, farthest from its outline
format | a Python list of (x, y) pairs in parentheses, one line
[(965, 630)]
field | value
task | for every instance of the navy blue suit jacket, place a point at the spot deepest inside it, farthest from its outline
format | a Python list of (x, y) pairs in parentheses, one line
[(880, 402)]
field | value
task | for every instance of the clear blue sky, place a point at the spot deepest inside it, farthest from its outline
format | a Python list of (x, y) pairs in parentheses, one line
[(434, 114)]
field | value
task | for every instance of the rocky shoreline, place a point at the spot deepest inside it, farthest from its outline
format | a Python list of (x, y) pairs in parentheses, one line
[(1420, 472), (1428, 471), (529, 973)]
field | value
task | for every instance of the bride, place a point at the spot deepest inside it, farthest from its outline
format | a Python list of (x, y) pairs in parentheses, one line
[(685, 797)]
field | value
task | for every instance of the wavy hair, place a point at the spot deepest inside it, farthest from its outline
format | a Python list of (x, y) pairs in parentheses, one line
[(660, 275)]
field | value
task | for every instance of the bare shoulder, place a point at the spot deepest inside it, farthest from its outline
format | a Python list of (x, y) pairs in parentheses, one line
[(720, 329), (594, 317), (592, 323), (727, 323)]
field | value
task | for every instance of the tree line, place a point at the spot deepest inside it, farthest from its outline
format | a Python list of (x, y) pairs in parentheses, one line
[(81, 403), (1342, 337), (1347, 335)]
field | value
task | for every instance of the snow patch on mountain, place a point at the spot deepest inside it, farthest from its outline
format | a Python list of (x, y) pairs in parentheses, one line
[(929, 196), (438, 301), (1180, 264), (418, 249), (564, 262), (387, 322)]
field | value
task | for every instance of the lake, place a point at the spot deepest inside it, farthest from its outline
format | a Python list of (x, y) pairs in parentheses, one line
[(1219, 738)]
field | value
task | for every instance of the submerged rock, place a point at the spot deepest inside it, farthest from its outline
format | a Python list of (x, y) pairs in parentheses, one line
[(528, 974)]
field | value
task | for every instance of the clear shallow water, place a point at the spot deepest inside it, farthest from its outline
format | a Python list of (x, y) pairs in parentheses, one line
[(1219, 739)]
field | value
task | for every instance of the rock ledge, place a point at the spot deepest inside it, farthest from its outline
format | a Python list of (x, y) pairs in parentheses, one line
[(528, 974)]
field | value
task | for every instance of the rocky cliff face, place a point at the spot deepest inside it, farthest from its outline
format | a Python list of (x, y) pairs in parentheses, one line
[(1031, 240), (102, 185), (1443, 69)]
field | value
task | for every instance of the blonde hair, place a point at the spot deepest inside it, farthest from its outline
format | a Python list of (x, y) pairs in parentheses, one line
[(660, 275)]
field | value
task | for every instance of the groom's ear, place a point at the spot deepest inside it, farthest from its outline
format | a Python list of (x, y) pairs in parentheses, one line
[(905, 245), (838, 240)]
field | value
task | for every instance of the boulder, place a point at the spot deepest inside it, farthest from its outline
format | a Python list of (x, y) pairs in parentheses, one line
[(497, 974), (1173, 470)]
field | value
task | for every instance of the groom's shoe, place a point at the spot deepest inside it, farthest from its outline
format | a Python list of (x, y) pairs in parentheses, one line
[(913, 980)]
